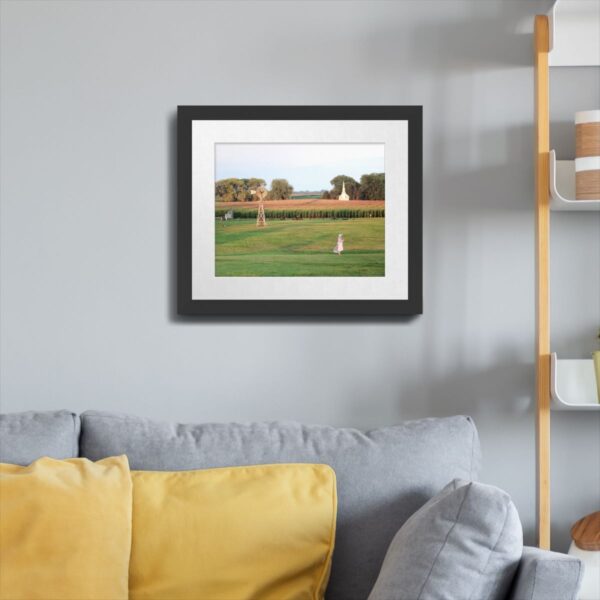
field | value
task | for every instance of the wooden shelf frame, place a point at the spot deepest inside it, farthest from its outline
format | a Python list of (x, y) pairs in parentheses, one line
[(542, 247)]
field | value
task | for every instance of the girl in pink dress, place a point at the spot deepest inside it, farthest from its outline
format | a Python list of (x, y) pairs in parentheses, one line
[(339, 247)]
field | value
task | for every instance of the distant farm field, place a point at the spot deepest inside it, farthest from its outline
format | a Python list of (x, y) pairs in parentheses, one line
[(305, 203), (304, 209), (300, 248)]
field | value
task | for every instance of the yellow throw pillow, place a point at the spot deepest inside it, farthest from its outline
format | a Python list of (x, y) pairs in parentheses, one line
[(240, 533), (65, 529)]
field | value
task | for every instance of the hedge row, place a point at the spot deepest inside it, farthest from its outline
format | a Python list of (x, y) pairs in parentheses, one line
[(331, 213)]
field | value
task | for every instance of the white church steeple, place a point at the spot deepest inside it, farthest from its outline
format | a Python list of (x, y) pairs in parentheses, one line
[(343, 195)]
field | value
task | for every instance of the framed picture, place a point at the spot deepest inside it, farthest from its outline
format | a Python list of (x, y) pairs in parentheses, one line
[(300, 210)]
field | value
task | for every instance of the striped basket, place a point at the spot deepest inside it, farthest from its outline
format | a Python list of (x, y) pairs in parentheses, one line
[(587, 155)]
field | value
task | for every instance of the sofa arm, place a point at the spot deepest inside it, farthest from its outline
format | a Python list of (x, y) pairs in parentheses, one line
[(544, 575)]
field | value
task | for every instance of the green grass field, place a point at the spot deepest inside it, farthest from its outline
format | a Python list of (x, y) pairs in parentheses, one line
[(300, 248)]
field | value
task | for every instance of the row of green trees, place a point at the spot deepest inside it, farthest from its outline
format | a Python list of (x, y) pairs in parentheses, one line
[(240, 190), (370, 187)]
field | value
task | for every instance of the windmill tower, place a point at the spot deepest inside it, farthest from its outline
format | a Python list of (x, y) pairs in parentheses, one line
[(261, 220), (261, 194)]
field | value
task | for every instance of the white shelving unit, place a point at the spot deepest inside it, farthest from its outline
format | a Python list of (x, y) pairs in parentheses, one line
[(562, 187), (573, 384), (573, 42), (573, 32), (569, 36)]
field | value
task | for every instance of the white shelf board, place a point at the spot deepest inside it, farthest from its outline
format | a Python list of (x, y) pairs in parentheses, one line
[(574, 33), (573, 384), (562, 187)]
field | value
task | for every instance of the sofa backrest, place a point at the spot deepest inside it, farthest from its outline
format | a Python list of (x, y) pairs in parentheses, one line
[(383, 476), (27, 436)]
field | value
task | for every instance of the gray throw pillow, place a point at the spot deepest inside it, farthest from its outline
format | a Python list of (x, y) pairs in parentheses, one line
[(27, 436), (464, 544)]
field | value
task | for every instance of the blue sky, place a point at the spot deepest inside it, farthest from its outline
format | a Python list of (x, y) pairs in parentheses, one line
[(305, 166)]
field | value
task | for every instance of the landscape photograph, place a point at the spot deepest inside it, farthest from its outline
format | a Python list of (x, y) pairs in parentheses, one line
[(299, 210)]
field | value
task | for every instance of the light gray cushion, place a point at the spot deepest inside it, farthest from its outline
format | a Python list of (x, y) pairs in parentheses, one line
[(383, 476), (545, 575), (464, 544), (27, 436)]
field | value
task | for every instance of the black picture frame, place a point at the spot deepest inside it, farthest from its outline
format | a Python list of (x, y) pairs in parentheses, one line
[(186, 305)]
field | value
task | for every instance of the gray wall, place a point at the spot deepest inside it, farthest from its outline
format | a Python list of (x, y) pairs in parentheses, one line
[(89, 91)]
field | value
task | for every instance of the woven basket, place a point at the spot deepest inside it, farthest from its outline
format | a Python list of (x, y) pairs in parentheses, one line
[(587, 155)]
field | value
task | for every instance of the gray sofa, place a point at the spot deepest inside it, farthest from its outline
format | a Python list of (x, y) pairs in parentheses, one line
[(383, 476)]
